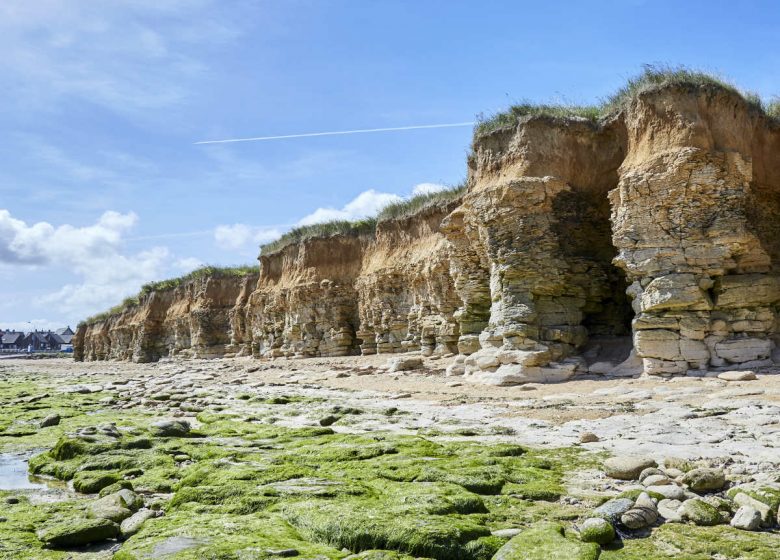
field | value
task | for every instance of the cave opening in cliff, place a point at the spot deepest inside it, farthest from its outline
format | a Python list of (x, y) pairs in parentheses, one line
[(583, 224)]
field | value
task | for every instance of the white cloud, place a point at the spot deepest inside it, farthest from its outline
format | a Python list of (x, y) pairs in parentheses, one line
[(93, 253), (42, 243), (240, 236), (428, 188), (367, 203)]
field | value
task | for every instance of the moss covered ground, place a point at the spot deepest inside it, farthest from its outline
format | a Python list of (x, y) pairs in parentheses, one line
[(239, 487)]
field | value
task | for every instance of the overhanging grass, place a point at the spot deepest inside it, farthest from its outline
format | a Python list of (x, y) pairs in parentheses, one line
[(411, 206), (169, 284), (773, 108), (651, 78)]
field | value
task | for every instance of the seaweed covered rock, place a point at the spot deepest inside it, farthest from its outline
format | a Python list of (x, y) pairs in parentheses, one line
[(699, 512), (597, 530), (77, 532), (704, 480), (543, 541)]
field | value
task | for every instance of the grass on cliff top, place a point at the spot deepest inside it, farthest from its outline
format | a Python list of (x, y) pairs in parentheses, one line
[(169, 284), (411, 206), (326, 229), (651, 78), (367, 226)]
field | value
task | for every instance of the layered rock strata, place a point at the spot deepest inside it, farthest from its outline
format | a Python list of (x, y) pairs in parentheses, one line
[(533, 242), (406, 295), (695, 223), (192, 319), (652, 234), (305, 303)]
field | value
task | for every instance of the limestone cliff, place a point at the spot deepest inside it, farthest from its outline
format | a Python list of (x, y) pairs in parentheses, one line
[(305, 303), (190, 319), (406, 294), (649, 233)]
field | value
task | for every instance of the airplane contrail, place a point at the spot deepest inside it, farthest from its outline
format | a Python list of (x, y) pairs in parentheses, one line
[(335, 133)]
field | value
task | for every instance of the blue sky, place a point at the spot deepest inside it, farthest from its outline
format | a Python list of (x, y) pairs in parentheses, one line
[(102, 187)]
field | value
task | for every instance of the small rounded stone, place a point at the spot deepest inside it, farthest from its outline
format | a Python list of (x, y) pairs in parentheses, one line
[(597, 530)]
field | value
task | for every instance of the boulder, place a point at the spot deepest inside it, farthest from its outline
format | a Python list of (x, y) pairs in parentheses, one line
[(77, 532), (642, 514), (704, 480), (627, 467), (765, 511), (404, 363), (613, 509), (50, 420), (170, 428), (699, 512), (656, 480), (670, 510), (545, 541), (588, 437), (132, 524), (737, 376), (597, 530), (117, 506), (746, 518), (668, 491)]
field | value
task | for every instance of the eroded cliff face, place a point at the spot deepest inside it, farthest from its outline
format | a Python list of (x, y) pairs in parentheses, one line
[(533, 258), (192, 319), (406, 294), (695, 223), (305, 303), (648, 241)]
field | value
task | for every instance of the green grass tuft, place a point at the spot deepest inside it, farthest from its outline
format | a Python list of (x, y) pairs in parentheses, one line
[(412, 206), (170, 284), (299, 234), (773, 108), (651, 78)]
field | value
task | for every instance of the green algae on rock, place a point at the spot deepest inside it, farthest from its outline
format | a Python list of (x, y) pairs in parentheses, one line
[(546, 541), (75, 532)]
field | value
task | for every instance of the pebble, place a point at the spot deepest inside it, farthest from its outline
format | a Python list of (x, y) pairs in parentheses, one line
[(588, 437)]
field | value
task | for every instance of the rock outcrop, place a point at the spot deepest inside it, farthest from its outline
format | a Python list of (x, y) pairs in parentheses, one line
[(406, 295), (191, 319), (651, 234), (305, 303)]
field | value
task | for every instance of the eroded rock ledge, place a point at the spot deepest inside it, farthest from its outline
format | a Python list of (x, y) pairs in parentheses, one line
[(648, 241)]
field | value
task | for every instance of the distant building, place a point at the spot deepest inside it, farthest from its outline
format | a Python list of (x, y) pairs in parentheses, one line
[(12, 340), (37, 341)]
